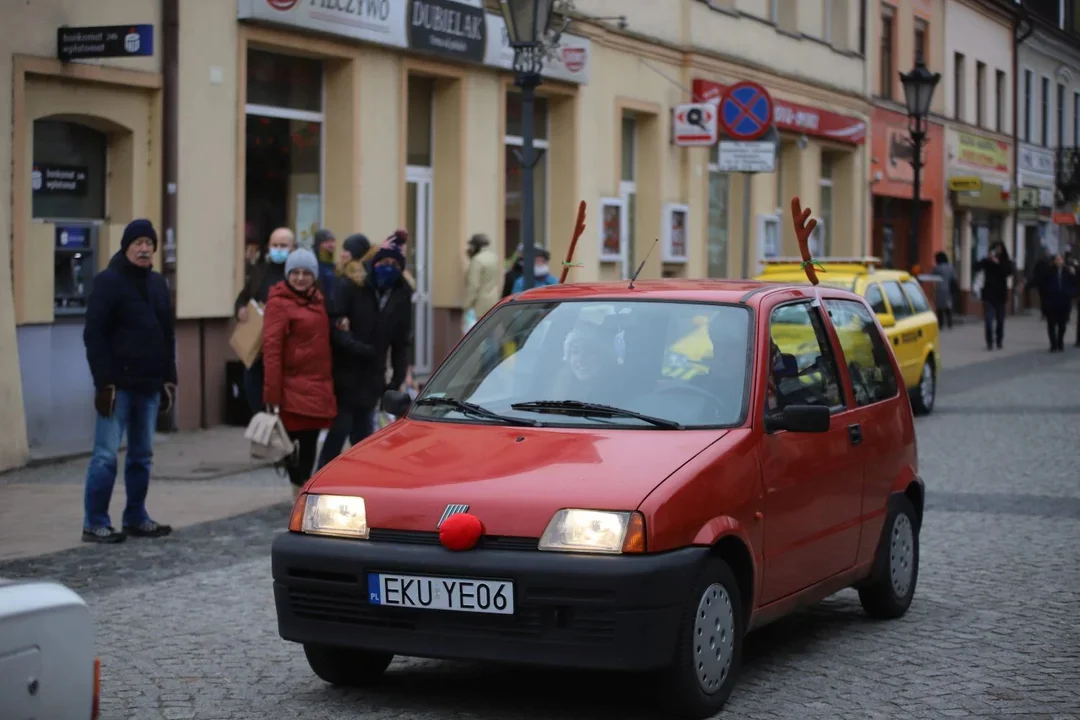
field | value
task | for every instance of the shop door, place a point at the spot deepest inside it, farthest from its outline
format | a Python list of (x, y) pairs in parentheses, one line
[(418, 223)]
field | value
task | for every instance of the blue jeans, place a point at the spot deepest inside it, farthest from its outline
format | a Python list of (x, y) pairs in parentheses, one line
[(135, 414)]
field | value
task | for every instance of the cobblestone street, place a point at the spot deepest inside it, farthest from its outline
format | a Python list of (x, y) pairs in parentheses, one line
[(186, 625)]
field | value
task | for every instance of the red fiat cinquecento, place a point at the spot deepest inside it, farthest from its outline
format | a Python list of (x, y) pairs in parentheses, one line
[(574, 487)]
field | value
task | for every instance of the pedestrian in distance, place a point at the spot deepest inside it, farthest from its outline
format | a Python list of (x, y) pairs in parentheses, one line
[(267, 272), (944, 290), (515, 266), (131, 349), (298, 383), (373, 321), (325, 247), (482, 279), (1058, 294), (541, 271), (997, 268)]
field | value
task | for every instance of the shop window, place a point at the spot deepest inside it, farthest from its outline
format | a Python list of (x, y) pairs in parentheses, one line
[(628, 186), (825, 211), (513, 144), (719, 203), (68, 175), (284, 146), (420, 138)]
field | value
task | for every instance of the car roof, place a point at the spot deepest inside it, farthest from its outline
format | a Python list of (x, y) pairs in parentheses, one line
[(741, 292), (832, 271)]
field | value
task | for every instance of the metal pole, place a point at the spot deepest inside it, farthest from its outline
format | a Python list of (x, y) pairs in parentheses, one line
[(746, 225), (527, 209), (916, 164)]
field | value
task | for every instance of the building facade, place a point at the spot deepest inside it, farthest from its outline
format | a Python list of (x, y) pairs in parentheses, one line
[(366, 117), (1048, 131), (902, 33), (977, 85)]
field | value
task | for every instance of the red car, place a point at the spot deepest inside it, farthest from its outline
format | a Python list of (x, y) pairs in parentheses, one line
[(560, 494)]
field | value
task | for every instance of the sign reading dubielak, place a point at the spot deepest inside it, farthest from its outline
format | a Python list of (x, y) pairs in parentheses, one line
[(110, 41)]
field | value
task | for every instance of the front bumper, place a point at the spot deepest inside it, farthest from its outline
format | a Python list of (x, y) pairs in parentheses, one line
[(613, 612)]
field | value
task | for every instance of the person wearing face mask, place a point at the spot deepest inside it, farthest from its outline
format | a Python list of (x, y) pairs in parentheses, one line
[(298, 383), (130, 347), (267, 272), (373, 320), (541, 271)]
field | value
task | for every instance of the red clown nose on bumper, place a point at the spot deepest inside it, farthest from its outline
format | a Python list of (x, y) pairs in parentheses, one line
[(460, 532)]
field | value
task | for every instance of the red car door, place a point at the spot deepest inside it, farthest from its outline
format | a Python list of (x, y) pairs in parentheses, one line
[(813, 481)]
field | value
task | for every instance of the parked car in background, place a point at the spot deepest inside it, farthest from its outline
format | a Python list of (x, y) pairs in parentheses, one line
[(48, 670), (557, 496), (901, 307)]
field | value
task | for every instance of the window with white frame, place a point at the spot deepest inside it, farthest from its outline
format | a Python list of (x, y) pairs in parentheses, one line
[(1044, 117), (1060, 129), (823, 231), (774, 11), (719, 216), (826, 27), (628, 187), (513, 144), (1076, 119), (284, 145), (1028, 89)]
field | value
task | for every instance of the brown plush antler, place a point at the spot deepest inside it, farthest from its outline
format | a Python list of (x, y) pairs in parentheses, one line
[(804, 227), (579, 228)]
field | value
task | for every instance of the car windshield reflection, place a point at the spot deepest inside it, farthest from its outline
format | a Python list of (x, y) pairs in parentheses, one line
[(650, 364)]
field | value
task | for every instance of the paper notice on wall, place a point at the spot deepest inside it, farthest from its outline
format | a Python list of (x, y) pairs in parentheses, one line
[(307, 218)]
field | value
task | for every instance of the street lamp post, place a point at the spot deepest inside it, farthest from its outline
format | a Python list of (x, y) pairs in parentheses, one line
[(919, 85), (527, 24)]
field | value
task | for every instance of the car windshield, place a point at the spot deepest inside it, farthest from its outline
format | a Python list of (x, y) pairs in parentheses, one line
[(638, 364)]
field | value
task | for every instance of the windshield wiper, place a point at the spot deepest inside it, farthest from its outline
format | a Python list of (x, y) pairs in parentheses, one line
[(587, 408), (469, 408)]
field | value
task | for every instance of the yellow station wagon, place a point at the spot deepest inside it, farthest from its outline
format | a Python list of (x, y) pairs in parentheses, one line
[(901, 307)]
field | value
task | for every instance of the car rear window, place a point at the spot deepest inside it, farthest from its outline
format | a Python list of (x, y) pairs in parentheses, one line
[(678, 361)]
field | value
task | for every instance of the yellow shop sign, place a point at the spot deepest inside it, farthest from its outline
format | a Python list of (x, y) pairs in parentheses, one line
[(981, 152), (965, 183)]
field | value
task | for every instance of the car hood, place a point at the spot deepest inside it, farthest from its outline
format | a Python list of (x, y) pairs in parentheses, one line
[(514, 479)]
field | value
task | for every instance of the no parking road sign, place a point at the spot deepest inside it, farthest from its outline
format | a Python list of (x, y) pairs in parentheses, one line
[(746, 111)]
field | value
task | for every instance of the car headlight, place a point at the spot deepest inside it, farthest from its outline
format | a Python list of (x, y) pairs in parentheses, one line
[(595, 531), (335, 515)]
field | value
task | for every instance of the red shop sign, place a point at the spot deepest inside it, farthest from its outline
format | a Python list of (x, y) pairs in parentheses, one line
[(796, 118)]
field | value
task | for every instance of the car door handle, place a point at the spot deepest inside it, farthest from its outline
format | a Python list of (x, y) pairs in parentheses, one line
[(855, 433)]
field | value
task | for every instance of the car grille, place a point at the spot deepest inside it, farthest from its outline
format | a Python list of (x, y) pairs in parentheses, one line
[(531, 620), (487, 542)]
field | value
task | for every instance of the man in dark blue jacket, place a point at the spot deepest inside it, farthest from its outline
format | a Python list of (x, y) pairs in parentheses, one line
[(130, 346)]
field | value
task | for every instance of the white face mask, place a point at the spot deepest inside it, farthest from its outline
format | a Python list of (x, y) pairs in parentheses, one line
[(541, 270)]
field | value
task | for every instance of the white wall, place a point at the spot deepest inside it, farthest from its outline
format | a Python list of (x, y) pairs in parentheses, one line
[(980, 39), (1047, 58)]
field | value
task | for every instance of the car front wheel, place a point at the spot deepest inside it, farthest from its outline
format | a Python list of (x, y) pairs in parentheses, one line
[(347, 667), (892, 587), (709, 647), (922, 399)]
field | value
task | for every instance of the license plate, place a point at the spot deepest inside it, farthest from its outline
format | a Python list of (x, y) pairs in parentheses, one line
[(439, 593)]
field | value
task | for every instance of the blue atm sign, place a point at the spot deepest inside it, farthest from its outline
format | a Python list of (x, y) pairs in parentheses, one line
[(84, 43)]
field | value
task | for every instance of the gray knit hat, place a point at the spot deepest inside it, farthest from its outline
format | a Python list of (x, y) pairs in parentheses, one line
[(301, 259)]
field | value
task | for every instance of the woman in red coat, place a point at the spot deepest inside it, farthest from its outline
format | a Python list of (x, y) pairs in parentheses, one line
[(298, 383)]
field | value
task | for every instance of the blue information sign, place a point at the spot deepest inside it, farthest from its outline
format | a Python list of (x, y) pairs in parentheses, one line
[(79, 43), (746, 112)]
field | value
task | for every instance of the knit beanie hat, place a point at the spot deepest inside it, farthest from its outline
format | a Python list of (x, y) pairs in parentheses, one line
[(301, 259), (138, 229), (357, 245), (394, 248), (321, 236)]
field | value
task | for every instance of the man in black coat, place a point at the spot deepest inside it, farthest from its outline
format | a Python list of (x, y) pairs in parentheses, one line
[(1059, 293), (373, 319), (131, 349)]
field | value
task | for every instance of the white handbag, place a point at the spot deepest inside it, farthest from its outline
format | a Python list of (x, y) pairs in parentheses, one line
[(269, 439)]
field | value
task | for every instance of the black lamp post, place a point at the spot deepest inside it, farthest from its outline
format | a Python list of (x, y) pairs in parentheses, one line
[(527, 24), (919, 85)]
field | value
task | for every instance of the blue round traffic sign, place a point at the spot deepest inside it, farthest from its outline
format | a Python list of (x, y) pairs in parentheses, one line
[(746, 111)]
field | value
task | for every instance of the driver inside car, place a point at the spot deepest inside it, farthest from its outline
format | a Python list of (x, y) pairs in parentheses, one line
[(589, 365)]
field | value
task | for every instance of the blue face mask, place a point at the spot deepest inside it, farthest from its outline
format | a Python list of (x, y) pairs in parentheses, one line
[(279, 255), (386, 275)]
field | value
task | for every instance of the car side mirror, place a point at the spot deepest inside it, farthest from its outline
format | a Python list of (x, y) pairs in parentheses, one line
[(800, 418), (396, 403), (886, 320)]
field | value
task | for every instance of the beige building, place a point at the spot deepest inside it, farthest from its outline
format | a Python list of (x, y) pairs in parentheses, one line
[(366, 117)]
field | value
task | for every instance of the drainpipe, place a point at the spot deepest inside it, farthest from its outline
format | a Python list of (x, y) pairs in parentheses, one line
[(1020, 18), (170, 30)]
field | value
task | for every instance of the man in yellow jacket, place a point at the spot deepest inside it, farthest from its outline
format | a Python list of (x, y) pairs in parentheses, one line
[(483, 279)]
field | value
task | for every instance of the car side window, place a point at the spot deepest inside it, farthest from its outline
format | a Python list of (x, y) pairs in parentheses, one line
[(900, 307), (876, 299), (915, 294), (865, 351), (802, 365)]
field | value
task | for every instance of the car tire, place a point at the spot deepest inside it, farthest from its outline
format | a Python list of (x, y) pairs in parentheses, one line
[(925, 393), (891, 589), (347, 667), (709, 647)]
